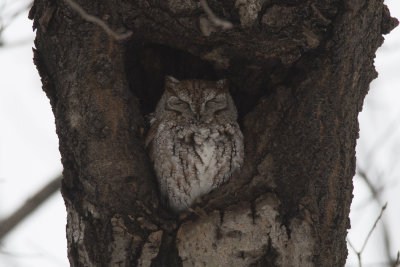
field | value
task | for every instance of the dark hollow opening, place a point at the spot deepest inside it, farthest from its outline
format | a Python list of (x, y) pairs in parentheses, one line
[(148, 64)]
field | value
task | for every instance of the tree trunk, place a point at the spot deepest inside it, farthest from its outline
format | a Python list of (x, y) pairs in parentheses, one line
[(298, 72)]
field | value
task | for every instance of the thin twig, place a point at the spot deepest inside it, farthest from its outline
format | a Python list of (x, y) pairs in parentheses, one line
[(355, 251), (371, 187), (9, 223), (373, 227), (224, 24), (358, 253), (98, 21), (376, 195)]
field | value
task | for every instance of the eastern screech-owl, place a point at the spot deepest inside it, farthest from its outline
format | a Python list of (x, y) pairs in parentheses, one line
[(194, 140)]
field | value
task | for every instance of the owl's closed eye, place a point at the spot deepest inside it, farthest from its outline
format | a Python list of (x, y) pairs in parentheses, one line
[(176, 104)]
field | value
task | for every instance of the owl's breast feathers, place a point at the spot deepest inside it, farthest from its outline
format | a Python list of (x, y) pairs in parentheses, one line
[(193, 159)]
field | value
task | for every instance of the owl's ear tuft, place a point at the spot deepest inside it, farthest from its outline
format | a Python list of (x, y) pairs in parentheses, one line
[(170, 84), (222, 84), (170, 79)]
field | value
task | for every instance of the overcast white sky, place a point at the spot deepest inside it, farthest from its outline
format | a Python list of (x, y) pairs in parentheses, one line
[(29, 155)]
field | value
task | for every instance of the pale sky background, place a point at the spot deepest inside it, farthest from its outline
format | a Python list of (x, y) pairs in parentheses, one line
[(29, 156)]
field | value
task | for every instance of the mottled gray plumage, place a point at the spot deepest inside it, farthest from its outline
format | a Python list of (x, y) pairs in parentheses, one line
[(194, 140)]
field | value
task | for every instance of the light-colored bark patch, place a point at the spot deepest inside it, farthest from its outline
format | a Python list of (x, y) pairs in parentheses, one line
[(248, 11), (75, 235), (150, 249), (74, 119), (244, 236), (123, 245)]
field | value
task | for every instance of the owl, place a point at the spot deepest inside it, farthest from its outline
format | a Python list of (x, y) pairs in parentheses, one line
[(194, 140)]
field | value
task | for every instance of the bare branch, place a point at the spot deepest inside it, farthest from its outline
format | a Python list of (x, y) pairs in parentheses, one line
[(371, 187), (376, 195), (8, 224), (373, 227), (224, 24), (355, 251), (358, 253), (99, 22)]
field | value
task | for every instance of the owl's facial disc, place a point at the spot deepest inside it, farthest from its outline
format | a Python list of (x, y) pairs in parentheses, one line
[(202, 112)]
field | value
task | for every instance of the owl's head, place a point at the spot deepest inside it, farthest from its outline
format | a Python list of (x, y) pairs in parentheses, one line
[(198, 101)]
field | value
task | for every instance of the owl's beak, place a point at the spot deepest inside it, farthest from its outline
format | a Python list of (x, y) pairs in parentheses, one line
[(197, 116)]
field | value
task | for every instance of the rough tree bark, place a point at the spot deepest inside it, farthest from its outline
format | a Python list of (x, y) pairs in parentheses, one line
[(298, 71)]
